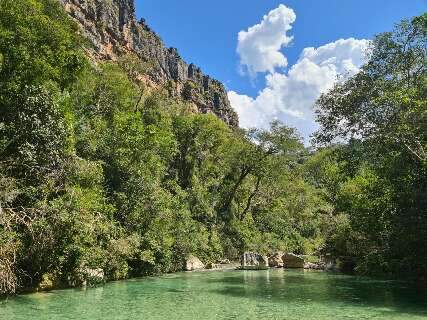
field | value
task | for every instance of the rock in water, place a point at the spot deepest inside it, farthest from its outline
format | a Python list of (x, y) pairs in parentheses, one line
[(253, 261), (275, 261), (193, 263), (314, 266), (291, 260)]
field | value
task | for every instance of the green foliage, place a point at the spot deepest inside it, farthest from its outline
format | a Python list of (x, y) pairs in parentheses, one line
[(35, 129), (99, 173), (386, 101), (38, 42), (379, 179)]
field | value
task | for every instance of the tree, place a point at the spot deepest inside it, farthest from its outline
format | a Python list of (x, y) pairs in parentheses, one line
[(386, 100), (38, 43), (379, 118)]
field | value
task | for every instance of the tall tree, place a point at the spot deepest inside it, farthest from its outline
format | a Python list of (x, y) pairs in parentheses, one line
[(382, 115)]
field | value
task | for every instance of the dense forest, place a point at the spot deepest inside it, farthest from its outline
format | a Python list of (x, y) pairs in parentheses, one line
[(97, 170)]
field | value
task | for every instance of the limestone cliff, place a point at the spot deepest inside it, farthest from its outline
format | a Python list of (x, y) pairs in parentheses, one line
[(112, 29)]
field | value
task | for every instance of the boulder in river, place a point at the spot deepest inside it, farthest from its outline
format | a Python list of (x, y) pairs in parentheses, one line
[(275, 261), (253, 261), (314, 266), (193, 263), (291, 260)]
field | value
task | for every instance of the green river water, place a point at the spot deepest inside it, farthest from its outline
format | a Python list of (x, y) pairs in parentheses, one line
[(269, 294)]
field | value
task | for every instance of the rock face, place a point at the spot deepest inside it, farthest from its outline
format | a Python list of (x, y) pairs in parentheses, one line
[(291, 260), (275, 261), (193, 263), (113, 31), (252, 260)]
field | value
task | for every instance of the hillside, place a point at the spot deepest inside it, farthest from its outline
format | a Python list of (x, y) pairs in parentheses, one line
[(113, 31)]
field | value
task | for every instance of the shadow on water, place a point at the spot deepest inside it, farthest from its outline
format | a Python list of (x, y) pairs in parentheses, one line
[(315, 287)]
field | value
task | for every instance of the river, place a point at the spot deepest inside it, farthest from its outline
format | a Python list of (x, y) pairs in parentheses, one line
[(268, 294)]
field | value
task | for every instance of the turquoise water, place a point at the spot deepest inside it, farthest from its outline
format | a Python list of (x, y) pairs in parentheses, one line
[(269, 294)]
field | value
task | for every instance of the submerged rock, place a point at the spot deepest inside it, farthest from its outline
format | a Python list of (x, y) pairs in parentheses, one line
[(253, 261), (193, 263), (275, 261), (291, 260)]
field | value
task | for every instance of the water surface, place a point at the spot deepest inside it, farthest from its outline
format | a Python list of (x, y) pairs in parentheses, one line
[(269, 294)]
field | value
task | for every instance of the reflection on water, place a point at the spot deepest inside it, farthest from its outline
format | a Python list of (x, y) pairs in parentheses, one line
[(273, 294)]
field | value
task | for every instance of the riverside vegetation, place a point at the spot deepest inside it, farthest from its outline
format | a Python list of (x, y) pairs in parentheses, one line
[(98, 171)]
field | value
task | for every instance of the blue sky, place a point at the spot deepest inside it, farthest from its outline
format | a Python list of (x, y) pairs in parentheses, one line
[(206, 33)]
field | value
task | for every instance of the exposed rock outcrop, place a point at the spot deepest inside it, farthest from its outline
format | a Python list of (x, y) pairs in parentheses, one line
[(275, 261), (193, 263), (253, 261), (113, 31), (291, 260)]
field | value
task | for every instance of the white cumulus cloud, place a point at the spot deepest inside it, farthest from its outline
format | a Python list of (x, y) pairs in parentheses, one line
[(259, 46), (290, 96)]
